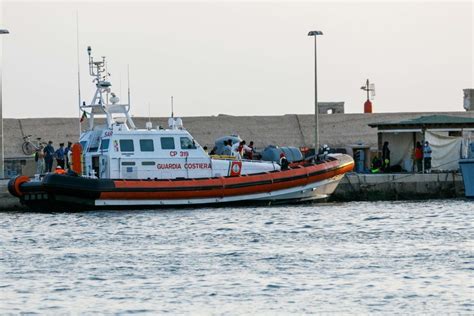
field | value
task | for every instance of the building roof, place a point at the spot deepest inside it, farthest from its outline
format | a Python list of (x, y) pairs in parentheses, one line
[(428, 122)]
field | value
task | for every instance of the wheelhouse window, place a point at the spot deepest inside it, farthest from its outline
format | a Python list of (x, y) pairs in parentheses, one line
[(167, 143), (146, 145), (104, 145), (187, 143), (84, 145), (126, 145)]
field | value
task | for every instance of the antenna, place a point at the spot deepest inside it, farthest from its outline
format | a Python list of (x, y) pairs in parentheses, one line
[(128, 83), (120, 85), (78, 71), (372, 90), (369, 88), (148, 124), (172, 107)]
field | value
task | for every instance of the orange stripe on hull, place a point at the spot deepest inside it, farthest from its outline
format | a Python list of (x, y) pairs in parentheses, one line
[(222, 187)]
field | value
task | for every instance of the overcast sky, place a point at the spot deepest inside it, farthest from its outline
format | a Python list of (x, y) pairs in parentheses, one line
[(239, 58)]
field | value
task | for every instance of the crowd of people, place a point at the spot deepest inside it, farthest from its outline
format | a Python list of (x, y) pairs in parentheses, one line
[(422, 157), (240, 150), (45, 156)]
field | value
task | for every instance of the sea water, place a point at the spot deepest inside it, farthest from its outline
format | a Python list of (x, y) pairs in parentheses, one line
[(383, 257)]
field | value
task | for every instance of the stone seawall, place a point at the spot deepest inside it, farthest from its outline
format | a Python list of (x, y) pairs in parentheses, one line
[(399, 186), (337, 130)]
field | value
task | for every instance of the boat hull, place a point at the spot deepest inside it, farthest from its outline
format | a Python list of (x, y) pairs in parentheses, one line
[(467, 170), (302, 183)]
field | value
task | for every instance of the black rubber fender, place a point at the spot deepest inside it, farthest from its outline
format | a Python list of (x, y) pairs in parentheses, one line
[(14, 185)]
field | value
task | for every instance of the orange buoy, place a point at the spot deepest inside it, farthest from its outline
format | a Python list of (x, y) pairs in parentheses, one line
[(76, 161), (368, 106)]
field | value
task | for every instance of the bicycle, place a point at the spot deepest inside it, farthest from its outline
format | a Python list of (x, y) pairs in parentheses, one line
[(28, 147)]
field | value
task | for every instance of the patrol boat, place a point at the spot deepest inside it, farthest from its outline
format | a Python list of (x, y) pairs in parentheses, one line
[(117, 165)]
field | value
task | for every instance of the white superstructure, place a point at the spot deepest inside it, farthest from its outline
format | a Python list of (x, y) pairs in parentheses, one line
[(119, 150)]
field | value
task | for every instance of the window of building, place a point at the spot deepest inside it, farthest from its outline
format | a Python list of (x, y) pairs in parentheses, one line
[(187, 143), (167, 143), (126, 145), (146, 145), (104, 145)]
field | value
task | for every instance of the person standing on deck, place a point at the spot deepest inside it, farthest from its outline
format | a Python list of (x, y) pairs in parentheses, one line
[(236, 150), (227, 148), (427, 157), (60, 156), (249, 153), (283, 162), (67, 153), (48, 156), (39, 158)]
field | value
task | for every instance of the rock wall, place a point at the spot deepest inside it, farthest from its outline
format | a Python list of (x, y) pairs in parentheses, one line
[(336, 130)]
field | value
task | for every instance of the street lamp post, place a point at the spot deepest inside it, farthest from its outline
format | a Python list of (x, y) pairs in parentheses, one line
[(2, 165), (316, 108)]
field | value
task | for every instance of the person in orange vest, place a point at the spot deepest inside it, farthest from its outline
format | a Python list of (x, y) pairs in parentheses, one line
[(59, 170)]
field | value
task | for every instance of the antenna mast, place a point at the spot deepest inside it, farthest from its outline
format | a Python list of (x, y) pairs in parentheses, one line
[(78, 72), (128, 83), (172, 107), (370, 89)]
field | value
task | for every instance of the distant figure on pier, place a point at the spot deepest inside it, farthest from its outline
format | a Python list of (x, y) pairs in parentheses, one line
[(39, 158), (49, 156), (376, 164), (427, 157), (385, 157), (60, 156), (419, 157)]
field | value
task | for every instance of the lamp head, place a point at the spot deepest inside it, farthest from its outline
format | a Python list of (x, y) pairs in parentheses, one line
[(89, 50), (315, 33)]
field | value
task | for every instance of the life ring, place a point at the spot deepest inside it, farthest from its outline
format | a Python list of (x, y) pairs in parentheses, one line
[(235, 168), (14, 185)]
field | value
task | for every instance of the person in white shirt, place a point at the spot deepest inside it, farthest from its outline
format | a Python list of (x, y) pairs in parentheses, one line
[(235, 150)]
